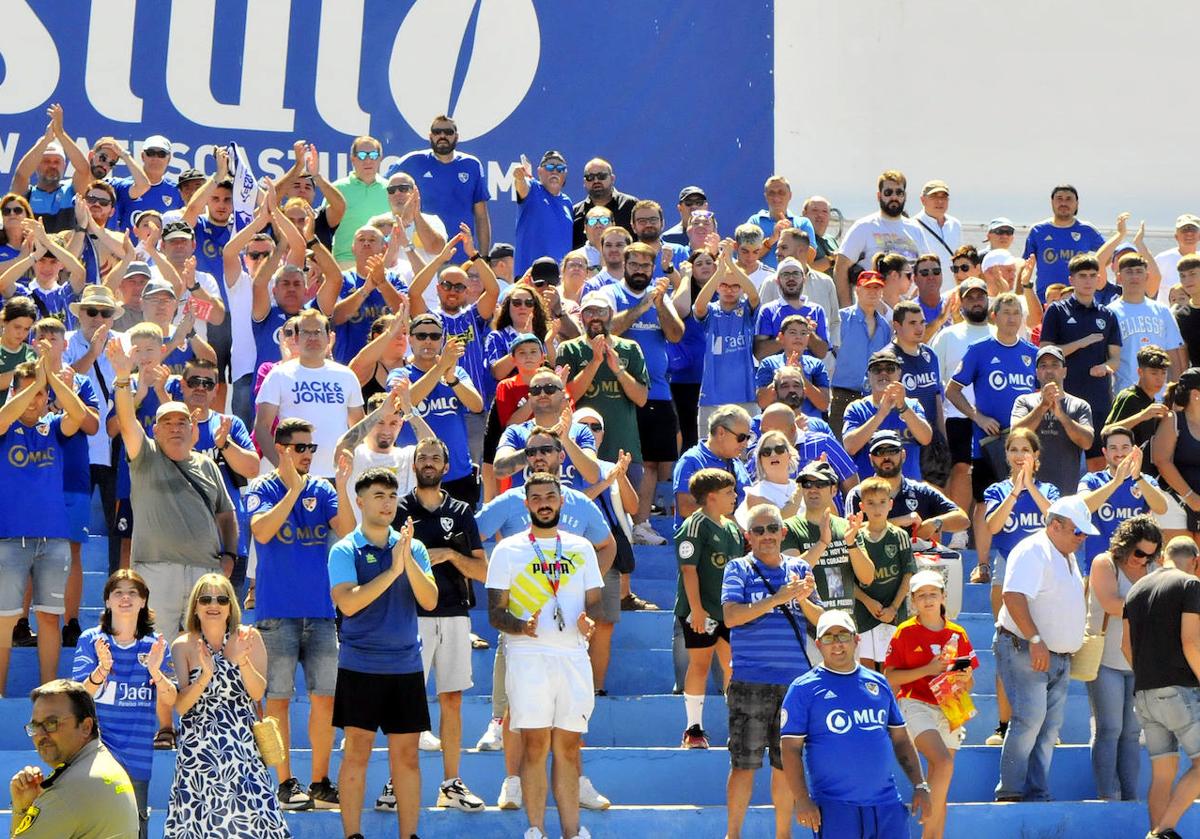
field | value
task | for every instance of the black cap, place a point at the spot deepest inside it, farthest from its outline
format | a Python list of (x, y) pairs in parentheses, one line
[(552, 154), (883, 357), (544, 268), (499, 251), (881, 439), (427, 317), (691, 190), (191, 175)]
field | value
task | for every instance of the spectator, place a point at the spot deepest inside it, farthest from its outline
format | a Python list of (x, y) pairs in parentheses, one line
[(278, 297), (1142, 321), (1176, 448), (748, 240), (417, 231), (17, 317), (789, 283), (613, 243), (922, 378), (686, 367), (897, 273), (122, 661), (91, 792), (1187, 237), (887, 231), (1063, 423), (722, 448), (816, 210), (379, 577), (1043, 592), (386, 350), (305, 181), (1135, 408), (768, 600), (372, 441), (864, 331), (777, 217), (148, 189), (691, 199), (1058, 240), (367, 292), (1161, 631), (775, 462), (16, 212), (817, 288), (729, 324), (1118, 492), (923, 648), (880, 605), (550, 713), (46, 259), (791, 375), (548, 408), (51, 195), (364, 193), (599, 180), (943, 232), (599, 221), (887, 408), (1187, 312), (293, 514)]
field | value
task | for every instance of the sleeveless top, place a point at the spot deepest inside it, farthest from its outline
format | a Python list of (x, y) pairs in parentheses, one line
[(1112, 657)]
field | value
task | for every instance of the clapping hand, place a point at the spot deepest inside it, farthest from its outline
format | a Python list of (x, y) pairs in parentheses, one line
[(103, 654)]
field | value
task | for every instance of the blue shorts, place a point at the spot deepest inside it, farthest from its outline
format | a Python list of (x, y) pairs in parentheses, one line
[(840, 820), (79, 514), (309, 641), (47, 559)]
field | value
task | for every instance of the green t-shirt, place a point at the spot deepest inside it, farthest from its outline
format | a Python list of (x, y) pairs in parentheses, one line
[(833, 573), (363, 201), (893, 558), (706, 546), (9, 359), (606, 396)]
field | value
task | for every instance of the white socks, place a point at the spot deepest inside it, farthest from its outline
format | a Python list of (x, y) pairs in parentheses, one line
[(694, 706)]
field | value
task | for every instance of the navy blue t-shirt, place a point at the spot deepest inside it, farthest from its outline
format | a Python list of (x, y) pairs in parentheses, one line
[(922, 377), (1055, 246), (1066, 321)]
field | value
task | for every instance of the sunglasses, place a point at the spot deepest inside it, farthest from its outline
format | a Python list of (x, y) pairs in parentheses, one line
[(695, 202), (929, 272), (1003, 231), (596, 176), (159, 153), (1140, 554), (960, 269), (594, 426), (443, 132), (889, 192), (599, 221), (885, 451), (768, 451), (701, 215), (459, 287), (544, 390), (256, 255), (521, 302), (102, 200), (394, 188), (13, 210), (93, 312), (542, 282), (367, 155), (530, 451), (836, 638), (760, 529), (811, 484), (884, 368), (208, 599), (427, 336), (554, 167), (201, 382), (304, 448), (741, 438)]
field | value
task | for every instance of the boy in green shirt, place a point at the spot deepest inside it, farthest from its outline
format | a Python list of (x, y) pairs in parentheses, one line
[(704, 542), (880, 606)]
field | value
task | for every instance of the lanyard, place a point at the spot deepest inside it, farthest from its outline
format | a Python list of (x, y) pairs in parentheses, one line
[(554, 581)]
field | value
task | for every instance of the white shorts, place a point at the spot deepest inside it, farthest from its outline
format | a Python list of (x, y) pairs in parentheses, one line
[(446, 649), (920, 717), (874, 643), (548, 690), (1175, 518)]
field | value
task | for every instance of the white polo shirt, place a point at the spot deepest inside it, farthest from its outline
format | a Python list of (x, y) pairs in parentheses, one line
[(1053, 586)]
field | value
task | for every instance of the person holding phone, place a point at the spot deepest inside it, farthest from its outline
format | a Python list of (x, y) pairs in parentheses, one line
[(925, 646)]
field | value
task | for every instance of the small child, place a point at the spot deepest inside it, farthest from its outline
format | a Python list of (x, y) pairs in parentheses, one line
[(879, 607)]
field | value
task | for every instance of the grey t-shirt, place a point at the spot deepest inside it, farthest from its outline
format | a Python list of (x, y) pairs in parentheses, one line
[(1061, 461), (172, 523)]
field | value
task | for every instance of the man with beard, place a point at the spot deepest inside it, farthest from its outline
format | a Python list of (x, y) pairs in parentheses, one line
[(691, 199), (543, 588), (447, 529), (157, 192), (50, 197), (887, 231), (453, 184), (598, 180), (651, 320), (292, 514), (799, 381), (817, 287), (543, 211), (612, 256), (1059, 239), (887, 407), (609, 374), (547, 394), (790, 280), (1063, 423), (777, 217), (648, 222)]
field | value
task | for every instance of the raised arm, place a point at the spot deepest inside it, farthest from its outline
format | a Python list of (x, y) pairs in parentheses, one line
[(132, 433), (199, 200)]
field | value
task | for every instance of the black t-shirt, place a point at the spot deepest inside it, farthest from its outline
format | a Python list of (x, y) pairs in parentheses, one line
[(1154, 608), (1188, 319), (322, 229), (1130, 401), (451, 525)]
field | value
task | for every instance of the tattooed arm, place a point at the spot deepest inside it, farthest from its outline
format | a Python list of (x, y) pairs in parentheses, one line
[(505, 621)]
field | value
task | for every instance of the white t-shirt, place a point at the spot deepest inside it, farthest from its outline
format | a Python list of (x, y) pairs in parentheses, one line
[(760, 275), (1054, 588), (951, 234), (1168, 266), (875, 234), (399, 459), (322, 395), (777, 494), (950, 345), (515, 566), (243, 352)]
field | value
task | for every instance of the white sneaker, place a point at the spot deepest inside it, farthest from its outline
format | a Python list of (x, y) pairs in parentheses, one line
[(645, 534), (510, 796), (492, 739), (386, 802), (582, 834), (454, 793), (534, 833), (589, 799), (958, 541), (429, 743)]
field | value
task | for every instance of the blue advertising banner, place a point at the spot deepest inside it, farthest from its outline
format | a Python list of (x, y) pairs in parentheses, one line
[(671, 93)]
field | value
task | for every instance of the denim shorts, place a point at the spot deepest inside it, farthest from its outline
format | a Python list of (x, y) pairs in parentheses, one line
[(1170, 720), (48, 559), (310, 641)]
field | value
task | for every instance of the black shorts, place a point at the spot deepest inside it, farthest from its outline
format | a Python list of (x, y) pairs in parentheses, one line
[(700, 640), (123, 523), (983, 475), (935, 460), (754, 723), (686, 396), (220, 338), (958, 432), (492, 433), (393, 703), (658, 427), (464, 489)]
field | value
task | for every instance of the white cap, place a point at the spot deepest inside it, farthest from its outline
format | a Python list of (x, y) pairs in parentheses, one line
[(999, 256), (596, 298), (832, 618), (789, 262), (54, 147), (928, 577), (1073, 508), (157, 141), (587, 413)]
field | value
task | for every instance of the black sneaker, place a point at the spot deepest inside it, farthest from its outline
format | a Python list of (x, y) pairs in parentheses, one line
[(23, 636), (1169, 833), (293, 797), (324, 795), (70, 633), (386, 802)]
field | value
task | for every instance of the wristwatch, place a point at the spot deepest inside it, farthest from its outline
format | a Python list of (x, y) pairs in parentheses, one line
[(924, 786), (670, 269), (1035, 638), (194, 287)]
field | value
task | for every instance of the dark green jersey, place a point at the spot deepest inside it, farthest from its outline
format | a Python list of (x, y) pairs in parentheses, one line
[(893, 558), (832, 572), (706, 546)]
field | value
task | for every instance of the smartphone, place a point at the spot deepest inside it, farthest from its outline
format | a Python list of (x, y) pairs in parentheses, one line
[(961, 663)]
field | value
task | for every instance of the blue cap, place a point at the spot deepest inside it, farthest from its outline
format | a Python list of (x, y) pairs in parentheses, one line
[(527, 338)]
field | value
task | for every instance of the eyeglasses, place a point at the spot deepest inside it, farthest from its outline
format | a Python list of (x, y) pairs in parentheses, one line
[(760, 529), (741, 438), (311, 333), (808, 483), (531, 451), (367, 155), (768, 451), (554, 167), (256, 255), (544, 390), (102, 200), (93, 312), (889, 192), (48, 725), (783, 275), (13, 210), (449, 286), (885, 451), (961, 269), (596, 176), (156, 153), (837, 638), (521, 302), (599, 221), (394, 188), (929, 272), (1140, 554), (594, 426), (304, 448), (575, 263), (427, 336), (443, 132), (207, 599), (200, 382)]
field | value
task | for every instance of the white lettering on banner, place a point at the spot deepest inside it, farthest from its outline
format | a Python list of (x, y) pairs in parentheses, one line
[(8, 151), (336, 89), (106, 79), (31, 62)]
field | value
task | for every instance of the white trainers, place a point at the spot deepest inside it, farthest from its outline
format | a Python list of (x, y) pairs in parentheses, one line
[(589, 799), (429, 743), (454, 793), (510, 796), (582, 834), (645, 534), (534, 833), (958, 541), (492, 739)]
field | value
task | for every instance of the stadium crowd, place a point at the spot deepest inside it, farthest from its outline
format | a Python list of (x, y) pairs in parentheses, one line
[(322, 411)]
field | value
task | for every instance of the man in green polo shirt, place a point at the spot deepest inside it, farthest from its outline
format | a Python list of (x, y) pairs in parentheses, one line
[(365, 194), (609, 374)]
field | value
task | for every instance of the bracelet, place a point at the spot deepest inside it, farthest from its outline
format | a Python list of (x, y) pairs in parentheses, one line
[(311, 242), (121, 384), (1190, 493), (102, 681)]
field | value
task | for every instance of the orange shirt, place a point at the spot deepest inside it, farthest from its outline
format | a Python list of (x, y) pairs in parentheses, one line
[(914, 646)]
